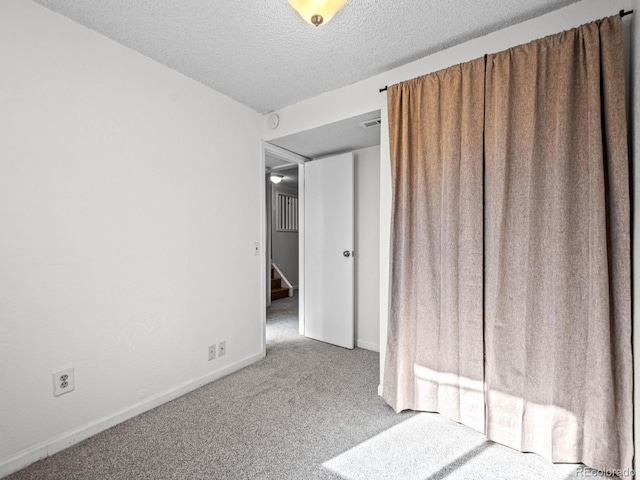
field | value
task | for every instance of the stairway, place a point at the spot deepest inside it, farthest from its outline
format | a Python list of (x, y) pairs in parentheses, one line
[(278, 291)]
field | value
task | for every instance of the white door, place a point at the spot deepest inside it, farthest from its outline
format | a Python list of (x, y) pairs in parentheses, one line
[(328, 250)]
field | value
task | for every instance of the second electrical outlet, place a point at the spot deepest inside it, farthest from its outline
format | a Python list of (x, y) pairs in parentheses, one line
[(222, 348)]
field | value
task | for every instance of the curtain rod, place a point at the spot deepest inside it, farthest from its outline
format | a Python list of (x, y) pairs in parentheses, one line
[(622, 14)]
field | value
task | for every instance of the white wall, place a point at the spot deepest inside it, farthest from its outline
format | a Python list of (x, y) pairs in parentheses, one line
[(284, 245), (385, 236), (120, 252), (367, 247), (363, 97)]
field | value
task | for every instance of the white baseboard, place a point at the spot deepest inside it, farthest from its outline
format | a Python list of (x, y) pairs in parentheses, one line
[(380, 390), (368, 345), (54, 445)]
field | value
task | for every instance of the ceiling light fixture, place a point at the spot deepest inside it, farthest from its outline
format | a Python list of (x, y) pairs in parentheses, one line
[(317, 12), (275, 178)]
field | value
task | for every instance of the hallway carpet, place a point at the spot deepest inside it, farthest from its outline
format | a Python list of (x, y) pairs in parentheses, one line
[(307, 411)]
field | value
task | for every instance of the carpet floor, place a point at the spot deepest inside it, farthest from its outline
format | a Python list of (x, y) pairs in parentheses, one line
[(307, 411)]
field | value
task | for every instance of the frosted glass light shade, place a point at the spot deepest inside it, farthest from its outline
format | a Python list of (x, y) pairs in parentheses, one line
[(275, 178), (317, 12)]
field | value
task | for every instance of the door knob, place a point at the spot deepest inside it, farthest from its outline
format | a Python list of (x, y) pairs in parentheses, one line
[(346, 253)]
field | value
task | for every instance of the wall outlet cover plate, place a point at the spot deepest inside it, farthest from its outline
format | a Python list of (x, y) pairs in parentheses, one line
[(63, 382)]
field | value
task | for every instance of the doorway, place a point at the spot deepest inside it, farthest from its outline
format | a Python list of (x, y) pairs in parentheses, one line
[(283, 206), (290, 167), (361, 136)]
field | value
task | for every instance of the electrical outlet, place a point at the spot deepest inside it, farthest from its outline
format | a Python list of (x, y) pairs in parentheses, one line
[(212, 352), (63, 382), (222, 348), (256, 250)]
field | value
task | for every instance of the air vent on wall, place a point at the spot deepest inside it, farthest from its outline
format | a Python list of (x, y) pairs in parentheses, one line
[(370, 123)]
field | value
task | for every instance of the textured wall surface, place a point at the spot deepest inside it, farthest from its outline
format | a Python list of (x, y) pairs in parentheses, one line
[(121, 253), (264, 55)]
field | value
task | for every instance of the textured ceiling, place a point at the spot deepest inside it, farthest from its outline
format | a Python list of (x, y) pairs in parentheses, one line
[(344, 136), (261, 53)]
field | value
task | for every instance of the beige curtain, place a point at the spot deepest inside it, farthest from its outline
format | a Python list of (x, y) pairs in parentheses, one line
[(557, 304), (435, 347)]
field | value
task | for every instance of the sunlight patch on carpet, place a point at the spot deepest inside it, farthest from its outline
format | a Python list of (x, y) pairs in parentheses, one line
[(430, 447)]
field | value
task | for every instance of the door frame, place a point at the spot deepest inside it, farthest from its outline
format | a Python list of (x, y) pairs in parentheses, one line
[(292, 158)]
